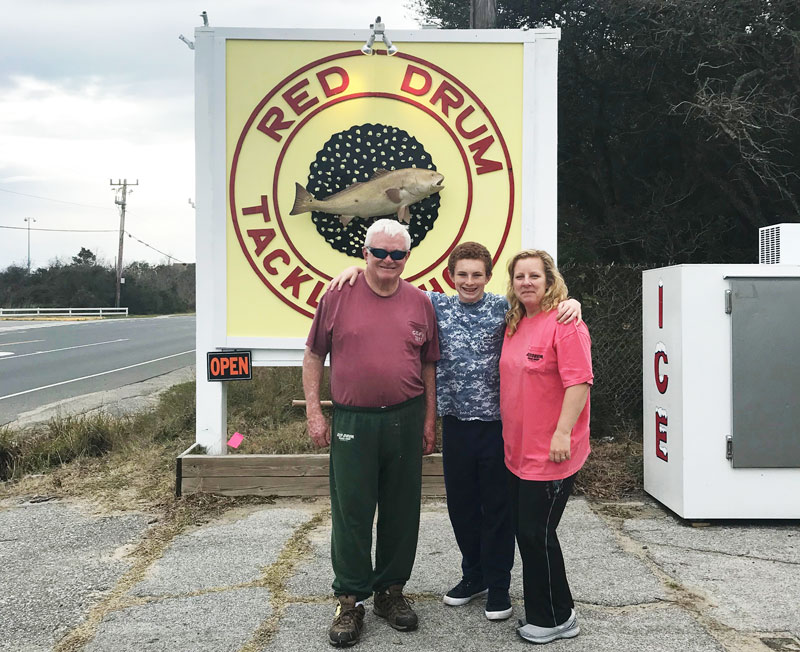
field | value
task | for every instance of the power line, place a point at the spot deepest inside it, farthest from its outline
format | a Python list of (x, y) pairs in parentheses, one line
[(58, 201), (22, 228), (130, 235)]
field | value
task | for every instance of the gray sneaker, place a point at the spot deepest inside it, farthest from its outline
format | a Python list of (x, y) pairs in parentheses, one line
[(536, 634)]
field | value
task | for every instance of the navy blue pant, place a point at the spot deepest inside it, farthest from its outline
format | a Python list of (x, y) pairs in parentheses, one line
[(477, 499), (536, 508)]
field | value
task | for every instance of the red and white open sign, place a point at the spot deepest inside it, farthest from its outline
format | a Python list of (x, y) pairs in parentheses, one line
[(229, 365)]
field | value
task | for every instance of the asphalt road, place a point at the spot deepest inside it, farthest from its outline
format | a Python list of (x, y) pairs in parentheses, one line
[(44, 362)]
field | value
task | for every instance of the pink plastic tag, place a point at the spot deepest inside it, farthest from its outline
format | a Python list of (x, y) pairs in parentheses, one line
[(235, 440)]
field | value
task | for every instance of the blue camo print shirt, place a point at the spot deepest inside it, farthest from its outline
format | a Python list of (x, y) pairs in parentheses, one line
[(470, 340)]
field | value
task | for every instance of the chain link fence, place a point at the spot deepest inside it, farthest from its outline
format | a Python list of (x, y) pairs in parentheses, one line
[(611, 296)]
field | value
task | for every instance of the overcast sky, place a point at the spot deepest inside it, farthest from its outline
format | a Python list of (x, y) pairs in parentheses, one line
[(92, 90)]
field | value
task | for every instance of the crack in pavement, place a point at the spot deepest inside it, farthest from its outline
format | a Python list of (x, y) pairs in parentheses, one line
[(692, 601), (721, 553), (150, 549), (276, 576)]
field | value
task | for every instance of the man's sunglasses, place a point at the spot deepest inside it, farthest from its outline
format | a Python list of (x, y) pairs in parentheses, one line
[(397, 254)]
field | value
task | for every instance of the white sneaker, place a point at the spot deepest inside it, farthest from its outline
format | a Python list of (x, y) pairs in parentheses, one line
[(536, 634)]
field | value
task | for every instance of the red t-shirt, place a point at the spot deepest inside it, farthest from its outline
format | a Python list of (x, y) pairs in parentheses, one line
[(537, 364), (377, 344)]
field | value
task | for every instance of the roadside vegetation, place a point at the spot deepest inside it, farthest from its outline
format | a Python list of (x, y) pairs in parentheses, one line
[(129, 462), (86, 282)]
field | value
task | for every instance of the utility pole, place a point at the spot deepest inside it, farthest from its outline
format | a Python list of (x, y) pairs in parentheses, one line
[(29, 220), (482, 14), (121, 200)]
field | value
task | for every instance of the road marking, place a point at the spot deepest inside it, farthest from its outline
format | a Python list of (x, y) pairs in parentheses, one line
[(102, 373), (25, 342), (3, 354), (68, 348)]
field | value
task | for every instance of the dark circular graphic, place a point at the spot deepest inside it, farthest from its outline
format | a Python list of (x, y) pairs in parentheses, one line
[(353, 156)]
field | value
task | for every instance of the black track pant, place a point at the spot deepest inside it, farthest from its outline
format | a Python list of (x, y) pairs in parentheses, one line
[(536, 508)]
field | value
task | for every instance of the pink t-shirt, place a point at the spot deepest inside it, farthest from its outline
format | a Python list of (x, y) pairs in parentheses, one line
[(377, 344), (537, 364)]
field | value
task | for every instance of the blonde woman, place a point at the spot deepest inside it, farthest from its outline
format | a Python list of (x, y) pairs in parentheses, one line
[(545, 375)]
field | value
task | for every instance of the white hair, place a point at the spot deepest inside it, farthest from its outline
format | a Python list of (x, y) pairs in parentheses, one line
[(390, 228)]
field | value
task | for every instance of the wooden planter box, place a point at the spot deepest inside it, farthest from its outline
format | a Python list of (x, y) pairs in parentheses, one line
[(273, 475)]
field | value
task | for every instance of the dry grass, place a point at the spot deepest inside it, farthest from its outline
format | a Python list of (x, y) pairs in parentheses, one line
[(613, 470), (129, 462)]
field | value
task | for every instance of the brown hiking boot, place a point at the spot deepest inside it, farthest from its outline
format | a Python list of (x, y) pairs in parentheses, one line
[(348, 622), (396, 608)]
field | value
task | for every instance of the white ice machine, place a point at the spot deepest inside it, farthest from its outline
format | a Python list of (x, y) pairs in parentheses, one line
[(721, 375)]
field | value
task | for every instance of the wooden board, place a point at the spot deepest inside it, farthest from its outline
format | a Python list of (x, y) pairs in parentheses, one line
[(275, 475), (203, 466)]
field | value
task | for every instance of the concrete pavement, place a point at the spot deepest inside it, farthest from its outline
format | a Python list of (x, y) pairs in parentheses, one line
[(258, 579)]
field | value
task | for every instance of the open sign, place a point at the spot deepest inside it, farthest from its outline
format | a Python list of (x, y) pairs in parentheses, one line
[(229, 365)]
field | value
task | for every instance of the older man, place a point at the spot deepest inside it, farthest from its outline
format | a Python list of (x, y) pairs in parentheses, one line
[(382, 338)]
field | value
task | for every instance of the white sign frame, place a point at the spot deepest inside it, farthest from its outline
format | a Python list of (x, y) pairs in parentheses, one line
[(537, 184)]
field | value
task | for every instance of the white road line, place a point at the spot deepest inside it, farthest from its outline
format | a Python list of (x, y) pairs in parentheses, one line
[(3, 354), (102, 373), (68, 348), (25, 342)]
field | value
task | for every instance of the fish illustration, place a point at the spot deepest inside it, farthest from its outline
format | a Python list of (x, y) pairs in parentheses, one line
[(385, 193)]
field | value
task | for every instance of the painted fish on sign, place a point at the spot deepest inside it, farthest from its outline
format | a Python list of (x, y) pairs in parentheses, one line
[(385, 193)]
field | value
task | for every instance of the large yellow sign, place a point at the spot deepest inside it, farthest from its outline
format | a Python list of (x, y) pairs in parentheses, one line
[(318, 117)]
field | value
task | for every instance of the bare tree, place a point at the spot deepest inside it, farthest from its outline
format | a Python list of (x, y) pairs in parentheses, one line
[(679, 124)]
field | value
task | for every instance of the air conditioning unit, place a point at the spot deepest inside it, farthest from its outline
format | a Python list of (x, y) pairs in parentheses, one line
[(779, 244)]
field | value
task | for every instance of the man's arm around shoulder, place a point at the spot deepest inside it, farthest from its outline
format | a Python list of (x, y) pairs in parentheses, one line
[(318, 426)]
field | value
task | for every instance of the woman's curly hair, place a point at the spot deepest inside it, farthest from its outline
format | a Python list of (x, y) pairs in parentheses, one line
[(555, 293)]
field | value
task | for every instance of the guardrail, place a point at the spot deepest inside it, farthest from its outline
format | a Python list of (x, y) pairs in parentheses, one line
[(62, 312)]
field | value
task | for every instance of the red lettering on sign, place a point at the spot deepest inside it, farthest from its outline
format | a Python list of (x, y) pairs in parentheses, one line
[(261, 238), (426, 81), (436, 286), (661, 381), (460, 124), (660, 304), (449, 96), (262, 208), (323, 75), (267, 262), (244, 366), (214, 365), (313, 300), (661, 435), (295, 96), (478, 150), (294, 280), (272, 122), (224, 365), (234, 368)]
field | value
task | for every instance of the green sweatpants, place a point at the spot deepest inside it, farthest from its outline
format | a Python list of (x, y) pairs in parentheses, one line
[(376, 459)]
